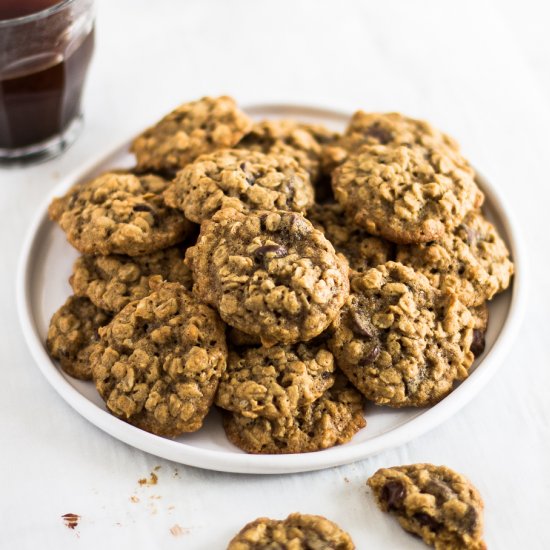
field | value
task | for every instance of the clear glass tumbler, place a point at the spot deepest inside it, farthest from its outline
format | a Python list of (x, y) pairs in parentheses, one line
[(44, 58)]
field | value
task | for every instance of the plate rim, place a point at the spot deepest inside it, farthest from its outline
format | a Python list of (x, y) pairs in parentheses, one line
[(223, 461)]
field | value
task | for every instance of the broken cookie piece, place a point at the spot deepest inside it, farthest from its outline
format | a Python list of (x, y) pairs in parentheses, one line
[(433, 502)]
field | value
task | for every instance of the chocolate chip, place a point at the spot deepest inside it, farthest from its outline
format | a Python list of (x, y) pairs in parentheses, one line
[(360, 324), (142, 208), (468, 523), (146, 208), (478, 342), (382, 135), (278, 251), (428, 521), (72, 201), (250, 178), (393, 493), (471, 235), (439, 490), (371, 356)]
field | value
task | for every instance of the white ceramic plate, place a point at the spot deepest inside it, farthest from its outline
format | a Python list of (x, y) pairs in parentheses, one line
[(44, 269)]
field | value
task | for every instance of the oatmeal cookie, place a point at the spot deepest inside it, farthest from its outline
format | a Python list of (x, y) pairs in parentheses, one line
[(160, 361), (240, 179), (190, 130), (296, 532), (275, 382), (360, 249), (406, 194), (401, 341), (269, 274), (111, 282), (433, 502), (303, 142), (382, 129), (472, 261), (73, 335), (119, 213), (333, 419)]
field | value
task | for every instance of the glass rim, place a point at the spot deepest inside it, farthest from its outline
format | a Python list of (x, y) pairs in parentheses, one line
[(35, 16)]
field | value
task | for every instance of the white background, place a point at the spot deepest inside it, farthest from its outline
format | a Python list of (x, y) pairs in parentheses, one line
[(480, 70)]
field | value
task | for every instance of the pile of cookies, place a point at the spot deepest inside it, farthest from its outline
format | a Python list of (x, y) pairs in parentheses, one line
[(280, 270)]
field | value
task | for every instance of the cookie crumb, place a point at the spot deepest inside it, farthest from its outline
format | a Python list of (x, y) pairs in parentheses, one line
[(71, 520), (134, 499), (177, 530), (346, 480), (153, 479)]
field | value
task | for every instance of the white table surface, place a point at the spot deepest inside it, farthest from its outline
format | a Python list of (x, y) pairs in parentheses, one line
[(480, 71)]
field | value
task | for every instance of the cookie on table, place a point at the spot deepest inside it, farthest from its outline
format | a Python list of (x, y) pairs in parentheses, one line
[(391, 129), (119, 213), (269, 274), (160, 361), (111, 282), (360, 249), (73, 335), (189, 131), (303, 142), (275, 382), (472, 261), (332, 419), (406, 194), (433, 502), (296, 532), (240, 179), (401, 341)]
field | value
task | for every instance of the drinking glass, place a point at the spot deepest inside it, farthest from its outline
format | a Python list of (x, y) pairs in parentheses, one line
[(44, 58)]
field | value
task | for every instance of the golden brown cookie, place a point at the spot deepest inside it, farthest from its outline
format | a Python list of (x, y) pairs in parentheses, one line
[(111, 282), (269, 274), (160, 361), (275, 382), (73, 335), (240, 179), (303, 142), (332, 419), (406, 194), (296, 532), (433, 502), (472, 261), (401, 341), (392, 129), (119, 213), (191, 130), (360, 249)]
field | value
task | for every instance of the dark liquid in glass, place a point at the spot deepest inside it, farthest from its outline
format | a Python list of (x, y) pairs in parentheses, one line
[(18, 8), (41, 96)]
